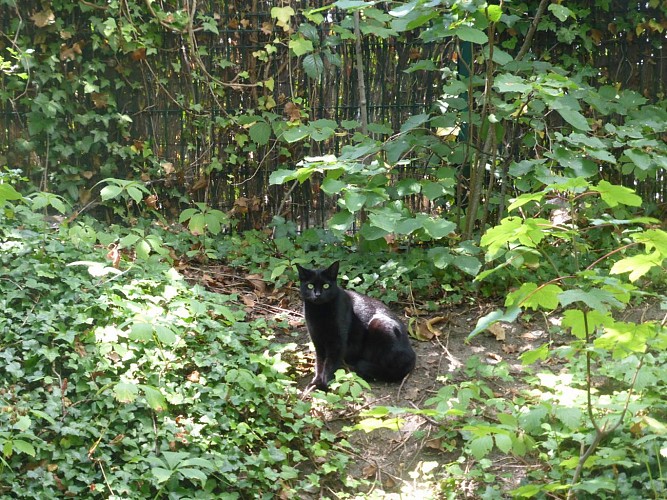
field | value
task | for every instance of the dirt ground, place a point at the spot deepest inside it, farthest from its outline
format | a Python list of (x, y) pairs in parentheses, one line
[(399, 460)]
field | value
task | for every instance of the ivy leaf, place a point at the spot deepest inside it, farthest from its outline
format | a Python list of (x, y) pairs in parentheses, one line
[(154, 398), (260, 133), (614, 195), (301, 46), (125, 392), (283, 16)]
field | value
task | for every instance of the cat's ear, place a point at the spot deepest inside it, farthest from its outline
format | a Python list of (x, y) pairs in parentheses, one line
[(303, 272), (332, 270)]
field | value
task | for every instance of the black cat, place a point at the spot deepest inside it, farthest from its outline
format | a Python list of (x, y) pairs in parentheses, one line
[(348, 327)]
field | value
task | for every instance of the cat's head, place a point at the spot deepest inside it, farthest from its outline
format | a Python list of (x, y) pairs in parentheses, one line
[(318, 286)]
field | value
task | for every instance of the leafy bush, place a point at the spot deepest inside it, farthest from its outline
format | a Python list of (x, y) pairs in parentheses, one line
[(133, 383)]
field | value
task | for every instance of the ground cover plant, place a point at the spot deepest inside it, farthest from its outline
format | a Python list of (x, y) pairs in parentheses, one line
[(165, 166)]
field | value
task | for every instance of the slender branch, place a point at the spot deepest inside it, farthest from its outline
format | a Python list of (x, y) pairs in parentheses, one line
[(361, 84), (531, 31)]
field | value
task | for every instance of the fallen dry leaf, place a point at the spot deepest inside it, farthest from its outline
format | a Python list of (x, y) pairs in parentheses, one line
[(509, 348), (498, 331), (257, 283), (369, 471)]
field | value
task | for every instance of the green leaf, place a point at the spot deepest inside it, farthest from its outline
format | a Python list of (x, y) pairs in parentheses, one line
[(341, 221), (468, 264), (23, 447), (570, 416), (282, 15), (641, 159), (414, 122), (141, 331), (260, 133), (529, 357), (125, 392), (481, 446), (560, 11), (598, 299), (154, 398), (165, 334), (530, 296), (135, 193), (161, 474), (301, 46), (193, 474), (507, 82), (23, 423), (524, 199), (503, 442), (294, 134), (110, 191), (614, 195), (332, 186), (575, 320), (638, 265), (280, 177), (354, 200), (7, 192), (441, 257), (494, 317), (574, 118), (313, 65), (470, 34), (437, 228)]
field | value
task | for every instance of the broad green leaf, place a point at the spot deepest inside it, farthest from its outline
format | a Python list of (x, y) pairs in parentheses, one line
[(22, 423), (441, 257), (638, 265), (530, 296), (407, 226), (110, 191), (135, 193), (503, 442), (154, 397), (125, 392), (494, 317), (161, 474), (574, 118), (193, 474), (313, 65), (507, 82), (641, 159), (294, 134), (529, 357), (437, 228), (260, 133), (470, 34), (525, 198), (7, 192), (433, 190), (141, 331), (468, 264), (341, 221), (614, 195), (370, 232), (385, 219), (626, 338), (332, 186), (414, 122), (165, 334), (354, 200), (574, 320), (653, 239), (280, 177), (301, 46), (23, 447), (493, 12), (570, 416), (602, 300), (481, 446), (560, 11)]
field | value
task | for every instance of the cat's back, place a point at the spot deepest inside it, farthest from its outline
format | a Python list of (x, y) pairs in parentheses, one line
[(365, 307)]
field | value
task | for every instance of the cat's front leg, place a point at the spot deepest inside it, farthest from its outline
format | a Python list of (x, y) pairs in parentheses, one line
[(319, 380)]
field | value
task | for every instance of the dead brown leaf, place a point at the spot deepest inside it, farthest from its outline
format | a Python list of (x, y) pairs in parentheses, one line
[(369, 471), (257, 283), (498, 331), (43, 18), (267, 28), (293, 112), (509, 348)]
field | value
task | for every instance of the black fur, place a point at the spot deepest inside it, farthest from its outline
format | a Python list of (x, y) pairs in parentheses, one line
[(351, 328)]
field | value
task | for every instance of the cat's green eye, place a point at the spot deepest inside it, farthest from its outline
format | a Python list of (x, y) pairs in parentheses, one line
[(325, 286), (310, 286)]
